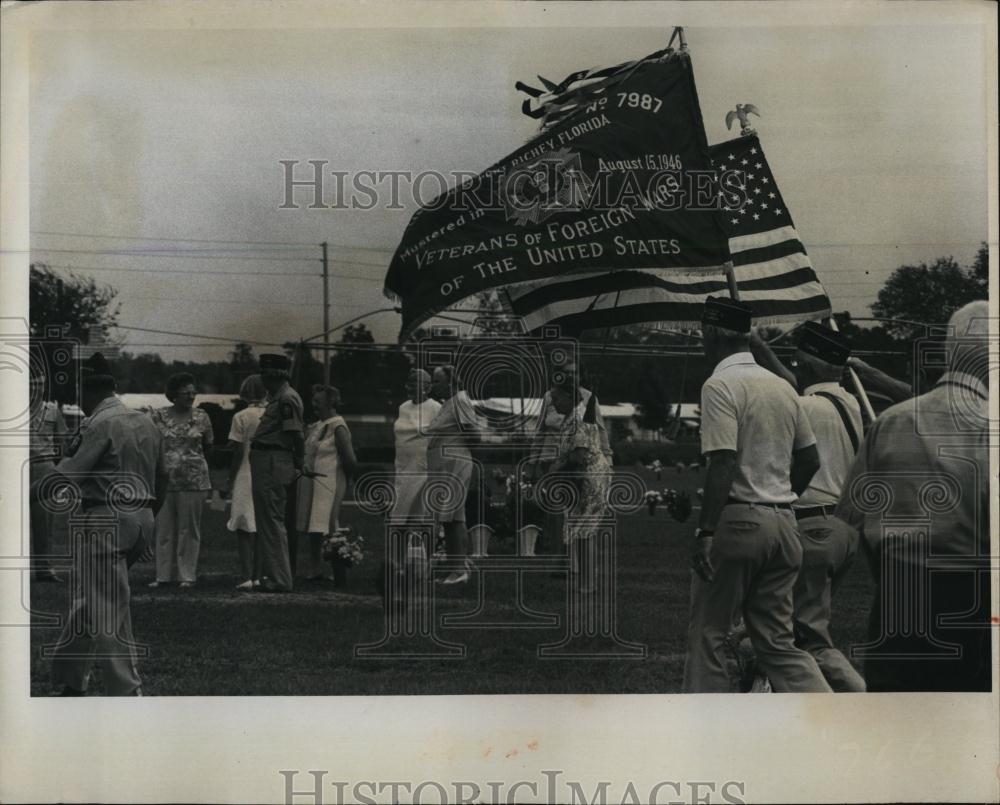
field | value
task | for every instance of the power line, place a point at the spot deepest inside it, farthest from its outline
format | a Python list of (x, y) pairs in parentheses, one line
[(189, 256), (228, 339), (211, 240), (257, 303), (121, 253), (208, 271), (173, 240), (185, 271)]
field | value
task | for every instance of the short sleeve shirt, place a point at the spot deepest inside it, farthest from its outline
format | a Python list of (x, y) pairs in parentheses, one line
[(749, 410), (836, 452), (183, 449), (282, 418), (47, 425)]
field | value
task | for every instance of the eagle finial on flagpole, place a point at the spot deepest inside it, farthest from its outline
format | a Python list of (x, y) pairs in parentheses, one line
[(740, 113)]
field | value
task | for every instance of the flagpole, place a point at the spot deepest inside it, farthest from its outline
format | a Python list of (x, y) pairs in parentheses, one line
[(734, 292)]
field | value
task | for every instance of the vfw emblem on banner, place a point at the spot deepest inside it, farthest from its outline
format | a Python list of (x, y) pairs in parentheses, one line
[(552, 184)]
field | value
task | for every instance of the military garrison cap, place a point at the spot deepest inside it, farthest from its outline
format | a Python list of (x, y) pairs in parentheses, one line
[(96, 369), (270, 362), (823, 343), (727, 313)]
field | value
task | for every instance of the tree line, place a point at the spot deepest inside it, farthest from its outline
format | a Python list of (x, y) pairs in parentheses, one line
[(626, 364)]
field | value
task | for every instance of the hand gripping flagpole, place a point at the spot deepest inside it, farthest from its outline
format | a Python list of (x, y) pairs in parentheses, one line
[(856, 381)]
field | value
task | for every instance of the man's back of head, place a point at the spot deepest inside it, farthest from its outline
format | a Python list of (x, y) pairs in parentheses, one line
[(967, 341)]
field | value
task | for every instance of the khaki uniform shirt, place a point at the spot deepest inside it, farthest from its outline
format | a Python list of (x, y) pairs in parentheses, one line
[(282, 417), (118, 446)]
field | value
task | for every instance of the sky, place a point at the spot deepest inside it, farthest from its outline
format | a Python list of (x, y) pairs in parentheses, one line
[(150, 141)]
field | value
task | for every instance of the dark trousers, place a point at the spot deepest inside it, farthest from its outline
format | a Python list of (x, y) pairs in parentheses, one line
[(291, 512), (953, 656)]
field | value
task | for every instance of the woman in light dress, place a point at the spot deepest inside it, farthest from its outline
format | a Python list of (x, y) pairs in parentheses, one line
[(187, 437), (453, 431), (241, 517), (329, 453), (580, 456), (415, 415)]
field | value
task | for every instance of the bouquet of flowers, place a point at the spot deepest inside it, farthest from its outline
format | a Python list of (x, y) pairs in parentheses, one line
[(678, 504), (344, 547)]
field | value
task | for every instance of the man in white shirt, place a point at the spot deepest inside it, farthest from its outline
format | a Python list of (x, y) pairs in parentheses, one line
[(762, 455), (829, 545)]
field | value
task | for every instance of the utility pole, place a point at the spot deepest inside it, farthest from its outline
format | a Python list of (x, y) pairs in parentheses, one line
[(326, 316)]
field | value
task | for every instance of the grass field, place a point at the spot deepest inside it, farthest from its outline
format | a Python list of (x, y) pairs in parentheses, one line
[(212, 640)]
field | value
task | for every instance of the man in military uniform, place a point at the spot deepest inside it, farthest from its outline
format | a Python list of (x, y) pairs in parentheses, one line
[(829, 545), (276, 460), (762, 454), (118, 470), (48, 429)]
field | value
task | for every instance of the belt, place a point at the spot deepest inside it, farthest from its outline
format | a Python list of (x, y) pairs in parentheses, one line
[(86, 504), (734, 501), (270, 447), (814, 511)]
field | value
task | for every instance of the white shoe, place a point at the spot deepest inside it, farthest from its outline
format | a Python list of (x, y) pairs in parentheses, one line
[(186, 584), (154, 584), (246, 585), (457, 578)]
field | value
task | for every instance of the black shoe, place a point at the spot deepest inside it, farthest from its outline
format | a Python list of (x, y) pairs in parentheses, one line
[(48, 577), (68, 691)]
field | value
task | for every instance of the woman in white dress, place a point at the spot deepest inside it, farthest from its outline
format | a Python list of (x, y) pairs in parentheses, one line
[(330, 454), (454, 430), (241, 518), (415, 414)]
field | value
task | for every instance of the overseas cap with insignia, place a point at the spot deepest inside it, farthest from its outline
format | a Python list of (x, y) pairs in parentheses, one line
[(823, 343), (727, 313), (270, 362), (96, 369)]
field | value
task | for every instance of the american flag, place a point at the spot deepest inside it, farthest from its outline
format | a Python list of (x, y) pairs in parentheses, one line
[(772, 269)]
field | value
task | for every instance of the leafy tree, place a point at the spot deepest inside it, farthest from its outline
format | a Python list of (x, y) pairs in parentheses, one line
[(980, 271), (73, 305), (371, 379), (68, 300), (928, 294), (242, 360)]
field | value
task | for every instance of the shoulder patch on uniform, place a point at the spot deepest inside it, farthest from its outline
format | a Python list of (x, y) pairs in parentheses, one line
[(287, 410)]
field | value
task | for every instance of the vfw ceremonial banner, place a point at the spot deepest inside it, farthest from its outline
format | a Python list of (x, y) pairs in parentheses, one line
[(625, 182), (772, 270)]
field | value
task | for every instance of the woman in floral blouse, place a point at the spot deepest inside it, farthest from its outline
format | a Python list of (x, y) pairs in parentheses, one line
[(187, 435)]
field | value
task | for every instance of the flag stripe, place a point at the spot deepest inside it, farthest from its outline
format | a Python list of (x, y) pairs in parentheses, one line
[(765, 254), (758, 240), (788, 300), (525, 301), (682, 315)]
